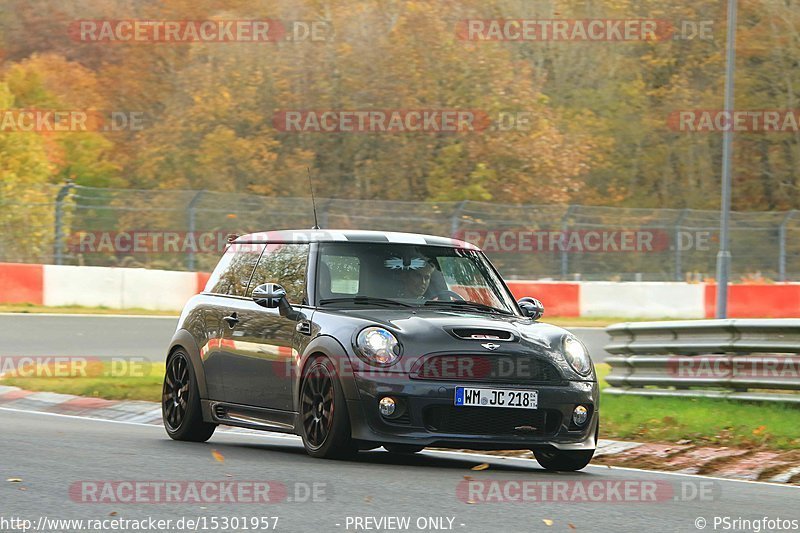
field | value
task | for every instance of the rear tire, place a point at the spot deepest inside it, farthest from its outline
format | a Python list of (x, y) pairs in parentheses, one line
[(563, 460), (180, 401), (324, 421)]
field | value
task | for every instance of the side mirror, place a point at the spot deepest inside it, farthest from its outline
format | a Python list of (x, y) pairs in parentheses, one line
[(531, 307), (272, 295)]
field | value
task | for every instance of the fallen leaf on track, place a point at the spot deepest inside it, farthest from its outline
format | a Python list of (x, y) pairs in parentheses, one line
[(547, 522), (482, 466), (14, 480), (218, 456)]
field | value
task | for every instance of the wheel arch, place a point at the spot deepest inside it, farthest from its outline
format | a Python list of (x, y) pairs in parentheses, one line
[(330, 347), (185, 341)]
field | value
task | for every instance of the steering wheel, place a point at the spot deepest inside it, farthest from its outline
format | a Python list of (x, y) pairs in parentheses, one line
[(454, 296)]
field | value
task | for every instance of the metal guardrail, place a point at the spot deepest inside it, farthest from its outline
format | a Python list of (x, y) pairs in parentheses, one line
[(743, 359)]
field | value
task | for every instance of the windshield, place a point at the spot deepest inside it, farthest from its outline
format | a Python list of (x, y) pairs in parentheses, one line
[(404, 274)]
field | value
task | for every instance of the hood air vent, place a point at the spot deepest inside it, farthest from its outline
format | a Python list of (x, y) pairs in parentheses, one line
[(483, 334)]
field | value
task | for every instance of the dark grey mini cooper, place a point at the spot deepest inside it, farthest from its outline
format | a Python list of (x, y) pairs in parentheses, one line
[(360, 339)]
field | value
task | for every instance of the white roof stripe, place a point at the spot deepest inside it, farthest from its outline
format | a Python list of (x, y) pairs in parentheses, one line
[(406, 238)]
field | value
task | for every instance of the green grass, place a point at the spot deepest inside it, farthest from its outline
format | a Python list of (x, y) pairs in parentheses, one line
[(699, 421), (142, 382), (76, 309)]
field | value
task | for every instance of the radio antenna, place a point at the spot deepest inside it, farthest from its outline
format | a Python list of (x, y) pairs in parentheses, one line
[(313, 201)]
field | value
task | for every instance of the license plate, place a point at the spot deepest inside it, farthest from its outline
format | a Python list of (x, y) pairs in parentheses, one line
[(475, 397)]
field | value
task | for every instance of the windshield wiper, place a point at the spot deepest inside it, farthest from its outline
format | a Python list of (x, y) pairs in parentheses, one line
[(363, 300), (465, 303)]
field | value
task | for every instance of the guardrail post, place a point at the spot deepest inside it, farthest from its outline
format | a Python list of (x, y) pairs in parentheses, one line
[(58, 241), (455, 219), (677, 244), (564, 256), (782, 245), (191, 211)]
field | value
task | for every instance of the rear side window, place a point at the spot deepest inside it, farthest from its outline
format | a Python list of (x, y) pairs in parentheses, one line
[(284, 264), (233, 272)]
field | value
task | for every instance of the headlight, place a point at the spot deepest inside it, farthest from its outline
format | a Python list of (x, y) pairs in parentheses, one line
[(378, 346), (576, 356)]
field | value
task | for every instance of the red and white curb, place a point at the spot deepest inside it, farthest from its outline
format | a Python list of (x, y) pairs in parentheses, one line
[(676, 458)]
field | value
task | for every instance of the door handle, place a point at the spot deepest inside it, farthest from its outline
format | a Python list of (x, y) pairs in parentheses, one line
[(304, 327), (232, 320)]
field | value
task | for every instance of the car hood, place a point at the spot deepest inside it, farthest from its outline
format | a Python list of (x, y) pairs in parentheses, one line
[(434, 327)]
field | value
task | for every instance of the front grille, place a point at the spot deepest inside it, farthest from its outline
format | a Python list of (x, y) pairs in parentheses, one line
[(495, 368), (491, 420), (404, 418)]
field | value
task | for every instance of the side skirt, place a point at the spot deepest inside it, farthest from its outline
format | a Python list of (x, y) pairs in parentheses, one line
[(246, 416)]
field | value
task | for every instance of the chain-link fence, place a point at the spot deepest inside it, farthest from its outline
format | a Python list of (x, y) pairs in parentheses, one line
[(186, 230)]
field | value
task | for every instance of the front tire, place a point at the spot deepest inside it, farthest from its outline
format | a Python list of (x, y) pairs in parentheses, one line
[(324, 421), (180, 402), (563, 460)]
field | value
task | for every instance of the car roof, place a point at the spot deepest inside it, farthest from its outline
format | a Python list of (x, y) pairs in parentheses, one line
[(348, 235)]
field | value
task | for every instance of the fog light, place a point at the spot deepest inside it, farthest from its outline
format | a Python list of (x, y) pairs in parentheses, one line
[(580, 415), (386, 406)]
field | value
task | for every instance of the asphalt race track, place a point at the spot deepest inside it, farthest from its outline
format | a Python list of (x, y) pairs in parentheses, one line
[(133, 336), (52, 464), (51, 454)]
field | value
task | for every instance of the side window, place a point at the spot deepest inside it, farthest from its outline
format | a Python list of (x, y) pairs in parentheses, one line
[(284, 264), (343, 273), (233, 271)]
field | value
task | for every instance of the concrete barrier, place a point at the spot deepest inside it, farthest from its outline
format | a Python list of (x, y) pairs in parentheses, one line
[(159, 290), (781, 300), (121, 288), (115, 288), (645, 299), (21, 283), (84, 286), (559, 299)]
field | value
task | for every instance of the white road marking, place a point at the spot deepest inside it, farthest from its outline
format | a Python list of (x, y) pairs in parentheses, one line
[(443, 453)]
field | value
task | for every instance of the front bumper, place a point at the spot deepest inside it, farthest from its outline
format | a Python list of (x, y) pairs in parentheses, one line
[(421, 396)]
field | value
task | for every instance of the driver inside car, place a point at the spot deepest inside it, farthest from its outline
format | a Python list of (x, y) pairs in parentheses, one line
[(413, 275), (414, 283)]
